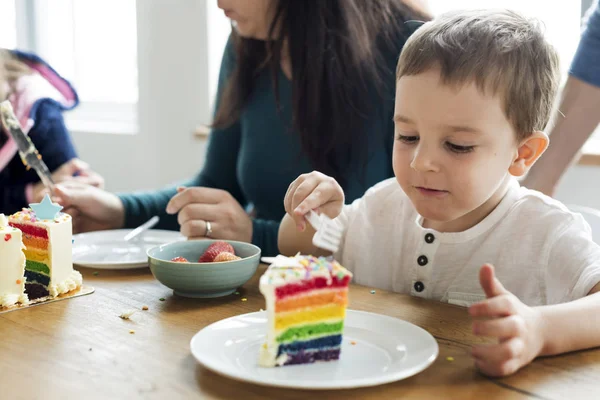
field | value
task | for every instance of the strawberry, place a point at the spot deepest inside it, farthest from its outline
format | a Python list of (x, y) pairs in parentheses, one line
[(214, 249), (209, 255), (226, 256), (222, 246), (180, 259)]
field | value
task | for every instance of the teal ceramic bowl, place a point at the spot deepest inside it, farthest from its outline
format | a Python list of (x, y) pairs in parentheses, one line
[(200, 280)]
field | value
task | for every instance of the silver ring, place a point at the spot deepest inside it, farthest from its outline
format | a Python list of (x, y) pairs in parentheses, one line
[(208, 229)]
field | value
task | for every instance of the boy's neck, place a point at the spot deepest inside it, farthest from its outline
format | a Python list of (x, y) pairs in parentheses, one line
[(474, 217)]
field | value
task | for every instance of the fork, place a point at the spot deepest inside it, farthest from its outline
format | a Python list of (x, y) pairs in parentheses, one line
[(328, 235), (142, 228)]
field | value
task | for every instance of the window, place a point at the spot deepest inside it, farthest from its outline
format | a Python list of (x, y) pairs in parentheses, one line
[(8, 27), (93, 44), (219, 28)]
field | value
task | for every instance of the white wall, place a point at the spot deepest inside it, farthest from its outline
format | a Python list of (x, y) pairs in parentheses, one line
[(580, 185), (174, 98)]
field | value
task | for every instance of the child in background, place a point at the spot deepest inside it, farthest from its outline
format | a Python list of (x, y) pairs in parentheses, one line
[(474, 92), (38, 96)]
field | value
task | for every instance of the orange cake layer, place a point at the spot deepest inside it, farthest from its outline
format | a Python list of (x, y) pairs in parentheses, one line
[(321, 298), (38, 243)]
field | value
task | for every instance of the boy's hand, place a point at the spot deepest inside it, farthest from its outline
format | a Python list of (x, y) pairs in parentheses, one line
[(517, 327), (313, 191)]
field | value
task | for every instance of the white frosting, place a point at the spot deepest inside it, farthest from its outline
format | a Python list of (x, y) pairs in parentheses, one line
[(268, 355), (12, 265), (73, 282), (286, 270), (60, 249), (8, 300)]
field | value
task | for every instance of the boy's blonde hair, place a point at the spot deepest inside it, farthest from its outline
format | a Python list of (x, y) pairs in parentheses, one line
[(501, 51)]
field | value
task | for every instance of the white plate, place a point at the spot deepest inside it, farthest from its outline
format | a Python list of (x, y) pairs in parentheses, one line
[(107, 250), (386, 349)]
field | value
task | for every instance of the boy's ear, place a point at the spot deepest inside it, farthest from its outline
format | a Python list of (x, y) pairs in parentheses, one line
[(528, 153)]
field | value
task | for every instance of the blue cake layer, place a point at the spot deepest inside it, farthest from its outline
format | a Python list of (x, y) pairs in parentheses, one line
[(325, 342)]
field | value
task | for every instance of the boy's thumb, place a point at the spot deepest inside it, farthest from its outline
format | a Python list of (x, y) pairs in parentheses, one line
[(489, 283)]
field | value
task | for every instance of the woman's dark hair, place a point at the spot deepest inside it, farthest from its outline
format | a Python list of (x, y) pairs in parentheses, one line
[(339, 52)]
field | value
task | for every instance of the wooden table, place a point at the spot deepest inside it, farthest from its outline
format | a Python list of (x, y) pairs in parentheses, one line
[(80, 349)]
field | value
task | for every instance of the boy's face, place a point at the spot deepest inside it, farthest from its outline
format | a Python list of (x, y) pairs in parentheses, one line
[(452, 150)]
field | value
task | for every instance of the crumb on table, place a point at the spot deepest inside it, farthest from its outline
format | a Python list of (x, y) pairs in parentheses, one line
[(145, 308), (131, 331), (127, 314)]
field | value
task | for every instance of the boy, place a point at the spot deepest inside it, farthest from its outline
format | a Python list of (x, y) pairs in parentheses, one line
[(474, 91)]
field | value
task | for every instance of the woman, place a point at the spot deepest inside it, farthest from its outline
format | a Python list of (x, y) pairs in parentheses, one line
[(38, 96), (304, 85)]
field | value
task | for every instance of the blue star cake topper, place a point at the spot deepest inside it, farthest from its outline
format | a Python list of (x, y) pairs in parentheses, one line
[(46, 209)]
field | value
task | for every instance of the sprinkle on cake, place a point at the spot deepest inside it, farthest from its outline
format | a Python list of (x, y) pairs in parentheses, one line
[(306, 300)]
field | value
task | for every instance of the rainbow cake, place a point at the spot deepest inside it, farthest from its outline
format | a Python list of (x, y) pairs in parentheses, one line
[(12, 265), (306, 300), (47, 236)]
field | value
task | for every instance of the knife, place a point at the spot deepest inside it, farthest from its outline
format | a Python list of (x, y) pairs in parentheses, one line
[(29, 155)]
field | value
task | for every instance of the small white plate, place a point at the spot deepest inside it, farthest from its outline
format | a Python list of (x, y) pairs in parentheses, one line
[(376, 349), (108, 250)]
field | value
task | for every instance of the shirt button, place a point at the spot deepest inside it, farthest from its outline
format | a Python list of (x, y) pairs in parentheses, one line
[(419, 287), (422, 260), (429, 238)]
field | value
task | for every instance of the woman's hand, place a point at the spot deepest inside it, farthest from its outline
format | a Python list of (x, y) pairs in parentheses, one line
[(92, 208), (313, 191), (74, 170), (198, 205)]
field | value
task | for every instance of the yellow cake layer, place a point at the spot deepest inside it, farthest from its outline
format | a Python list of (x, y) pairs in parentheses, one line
[(311, 299), (315, 314), (38, 255)]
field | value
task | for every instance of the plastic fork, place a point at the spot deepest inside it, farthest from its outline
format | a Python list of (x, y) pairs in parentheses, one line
[(328, 235)]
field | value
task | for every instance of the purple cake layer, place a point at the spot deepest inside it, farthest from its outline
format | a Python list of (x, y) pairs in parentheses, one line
[(35, 290), (308, 357)]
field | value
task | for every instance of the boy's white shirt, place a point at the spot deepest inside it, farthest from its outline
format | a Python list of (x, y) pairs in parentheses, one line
[(542, 252)]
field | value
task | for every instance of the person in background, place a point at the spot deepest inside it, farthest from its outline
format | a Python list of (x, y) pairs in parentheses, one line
[(578, 114), (303, 85), (38, 96)]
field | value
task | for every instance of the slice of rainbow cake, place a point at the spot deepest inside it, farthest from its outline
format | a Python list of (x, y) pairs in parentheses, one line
[(47, 236), (306, 301)]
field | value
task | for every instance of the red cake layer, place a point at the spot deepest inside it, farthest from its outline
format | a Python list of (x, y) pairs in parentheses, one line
[(31, 230), (304, 286)]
